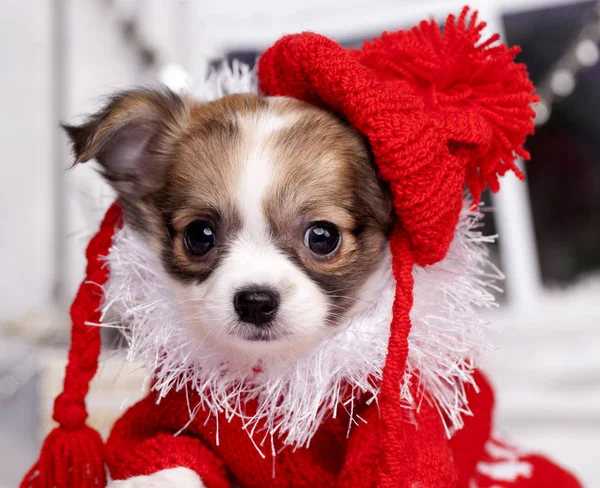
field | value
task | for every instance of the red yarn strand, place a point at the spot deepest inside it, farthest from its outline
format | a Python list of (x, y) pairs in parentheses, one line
[(73, 454)]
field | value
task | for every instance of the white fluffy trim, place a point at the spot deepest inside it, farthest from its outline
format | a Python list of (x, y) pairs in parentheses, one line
[(295, 395)]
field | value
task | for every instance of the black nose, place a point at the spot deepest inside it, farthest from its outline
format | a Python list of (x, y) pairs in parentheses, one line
[(256, 306)]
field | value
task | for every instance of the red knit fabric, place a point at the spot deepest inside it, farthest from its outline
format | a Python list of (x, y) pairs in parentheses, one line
[(331, 459), (440, 111), (142, 442), (468, 444), (393, 451)]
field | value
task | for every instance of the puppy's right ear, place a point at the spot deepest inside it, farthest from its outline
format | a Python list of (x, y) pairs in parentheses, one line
[(128, 137)]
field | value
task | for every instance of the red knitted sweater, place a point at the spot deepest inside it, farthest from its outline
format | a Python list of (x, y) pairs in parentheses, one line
[(142, 442)]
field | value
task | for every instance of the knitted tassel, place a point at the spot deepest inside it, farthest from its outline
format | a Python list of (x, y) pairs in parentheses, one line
[(69, 458), (73, 454)]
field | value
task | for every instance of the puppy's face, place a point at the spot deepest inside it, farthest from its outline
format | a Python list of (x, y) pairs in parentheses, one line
[(267, 213)]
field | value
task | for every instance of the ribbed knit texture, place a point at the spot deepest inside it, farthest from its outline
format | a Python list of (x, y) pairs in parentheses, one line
[(138, 445), (143, 442)]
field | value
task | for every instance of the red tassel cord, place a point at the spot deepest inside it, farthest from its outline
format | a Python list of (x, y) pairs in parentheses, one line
[(73, 454)]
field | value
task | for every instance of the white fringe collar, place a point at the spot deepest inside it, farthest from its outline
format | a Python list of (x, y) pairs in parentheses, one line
[(294, 397)]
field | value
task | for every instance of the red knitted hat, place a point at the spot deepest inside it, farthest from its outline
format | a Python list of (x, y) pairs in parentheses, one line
[(440, 111)]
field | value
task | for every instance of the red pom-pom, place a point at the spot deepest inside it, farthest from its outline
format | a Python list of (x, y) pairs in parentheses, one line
[(483, 97)]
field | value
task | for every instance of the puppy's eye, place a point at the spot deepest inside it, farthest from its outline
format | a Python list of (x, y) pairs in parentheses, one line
[(199, 238), (322, 238)]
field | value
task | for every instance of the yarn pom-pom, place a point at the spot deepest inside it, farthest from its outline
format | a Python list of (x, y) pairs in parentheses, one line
[(482, 96)]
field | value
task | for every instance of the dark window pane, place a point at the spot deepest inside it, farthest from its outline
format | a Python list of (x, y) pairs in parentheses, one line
[(564, 172)]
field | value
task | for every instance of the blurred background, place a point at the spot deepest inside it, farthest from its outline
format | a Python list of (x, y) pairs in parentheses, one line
[(61, 57)]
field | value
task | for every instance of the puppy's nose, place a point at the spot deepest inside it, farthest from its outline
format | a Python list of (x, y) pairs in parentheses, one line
[(257, 306)]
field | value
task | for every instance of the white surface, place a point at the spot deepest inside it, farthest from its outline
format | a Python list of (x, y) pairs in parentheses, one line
[(26, 245), (547, 374), (99, 62)]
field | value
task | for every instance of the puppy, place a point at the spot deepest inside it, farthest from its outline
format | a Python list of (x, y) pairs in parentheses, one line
[(266, 214)]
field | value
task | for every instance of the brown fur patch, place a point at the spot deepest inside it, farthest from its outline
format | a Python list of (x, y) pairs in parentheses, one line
[(201, 181), (173, 161), (325, 172)]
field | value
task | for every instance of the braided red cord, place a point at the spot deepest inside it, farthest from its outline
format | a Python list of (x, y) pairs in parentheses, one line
[(407, 452), (391, 450), (73, 453)]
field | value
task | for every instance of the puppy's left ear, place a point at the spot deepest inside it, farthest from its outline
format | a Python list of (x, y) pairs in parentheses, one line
[(129, 138)]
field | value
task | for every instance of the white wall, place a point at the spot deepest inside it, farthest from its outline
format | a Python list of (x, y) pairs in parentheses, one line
[(99, 62), (26, 125)]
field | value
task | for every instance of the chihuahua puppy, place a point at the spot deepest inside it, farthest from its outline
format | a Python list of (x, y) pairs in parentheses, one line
[(267, 215)]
